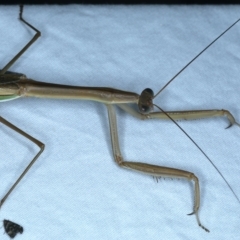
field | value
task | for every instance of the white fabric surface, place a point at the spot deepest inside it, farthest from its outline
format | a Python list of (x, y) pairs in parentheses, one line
[(75, 190)]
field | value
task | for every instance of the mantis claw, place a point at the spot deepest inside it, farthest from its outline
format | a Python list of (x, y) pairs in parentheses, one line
[(230, 118), (230, 125)]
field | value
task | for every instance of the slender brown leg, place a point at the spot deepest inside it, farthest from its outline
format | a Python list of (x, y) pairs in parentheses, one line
[(41, 146), (182, 115), (149, 169), (35, 37)]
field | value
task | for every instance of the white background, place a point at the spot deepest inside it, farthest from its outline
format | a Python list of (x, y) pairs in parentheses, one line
[(75, 190)]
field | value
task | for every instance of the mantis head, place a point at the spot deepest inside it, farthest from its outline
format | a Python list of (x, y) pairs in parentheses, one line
[(145, 103)]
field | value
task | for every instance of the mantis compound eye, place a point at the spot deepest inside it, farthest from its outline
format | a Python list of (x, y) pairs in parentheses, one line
[(145, 103)]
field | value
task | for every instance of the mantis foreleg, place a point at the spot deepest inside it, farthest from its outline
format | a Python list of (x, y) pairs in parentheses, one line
[(149, 169)]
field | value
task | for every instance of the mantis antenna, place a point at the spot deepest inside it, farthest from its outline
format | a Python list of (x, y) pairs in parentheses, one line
[(196, 57), (145, 105)]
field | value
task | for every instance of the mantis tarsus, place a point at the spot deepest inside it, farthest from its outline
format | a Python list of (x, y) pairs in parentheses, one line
[(9, 88)]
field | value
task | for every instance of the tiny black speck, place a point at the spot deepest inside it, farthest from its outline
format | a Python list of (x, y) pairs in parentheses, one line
[(11, 228)]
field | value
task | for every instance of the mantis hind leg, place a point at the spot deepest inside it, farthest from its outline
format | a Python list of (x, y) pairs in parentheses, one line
[(149, 169), (38, 143)]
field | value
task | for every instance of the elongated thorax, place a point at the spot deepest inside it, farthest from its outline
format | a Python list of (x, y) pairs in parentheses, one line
[(14, 86)]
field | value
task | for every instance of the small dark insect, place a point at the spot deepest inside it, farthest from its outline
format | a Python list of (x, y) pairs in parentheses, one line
[(11, 228)]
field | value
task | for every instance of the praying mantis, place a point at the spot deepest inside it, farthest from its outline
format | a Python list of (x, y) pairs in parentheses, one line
[(113, 120)]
